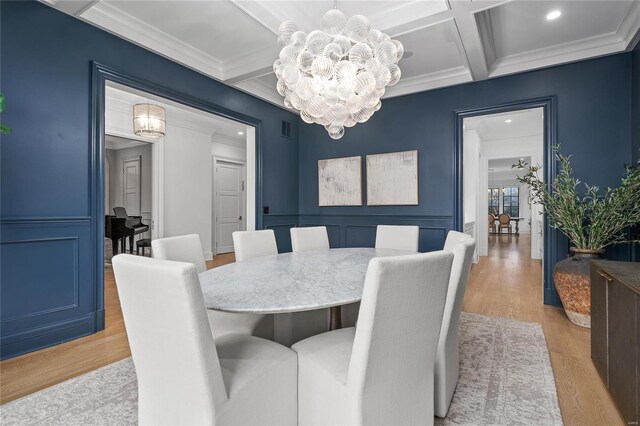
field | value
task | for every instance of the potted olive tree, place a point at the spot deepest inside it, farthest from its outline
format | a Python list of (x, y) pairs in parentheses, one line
[(4, 130), (592, 219)]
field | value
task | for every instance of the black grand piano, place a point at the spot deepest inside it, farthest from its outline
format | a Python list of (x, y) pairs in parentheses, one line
[(120, 225)]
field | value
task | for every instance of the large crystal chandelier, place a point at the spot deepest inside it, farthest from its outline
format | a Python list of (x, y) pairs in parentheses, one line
[(336, 77)]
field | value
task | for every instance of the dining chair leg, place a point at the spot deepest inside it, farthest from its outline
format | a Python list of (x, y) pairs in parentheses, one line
[(335, 318)]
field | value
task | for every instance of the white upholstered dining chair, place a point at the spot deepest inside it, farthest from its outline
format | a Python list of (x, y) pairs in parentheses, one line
[(382, 371), (251, 244), (447, 361), (185, 376), (292, 327), (183, 248), (311, 238), (397, 237), (187, 248)]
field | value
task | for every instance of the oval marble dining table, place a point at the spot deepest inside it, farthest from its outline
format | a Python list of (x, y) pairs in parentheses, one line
[(291, 282)]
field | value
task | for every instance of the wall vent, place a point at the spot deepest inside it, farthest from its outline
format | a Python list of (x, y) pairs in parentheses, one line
[(286, 129)]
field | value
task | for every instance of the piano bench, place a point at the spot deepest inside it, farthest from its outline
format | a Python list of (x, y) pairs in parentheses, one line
[(142, 243)]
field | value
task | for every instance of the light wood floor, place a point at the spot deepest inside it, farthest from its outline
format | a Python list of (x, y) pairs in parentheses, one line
[(507, 283)]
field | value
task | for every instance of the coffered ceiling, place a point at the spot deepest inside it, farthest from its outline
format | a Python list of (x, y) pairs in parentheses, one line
[(450, 41)]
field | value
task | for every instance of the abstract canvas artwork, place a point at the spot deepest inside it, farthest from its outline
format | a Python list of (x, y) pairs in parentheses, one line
[(340, 181), (392, 179)]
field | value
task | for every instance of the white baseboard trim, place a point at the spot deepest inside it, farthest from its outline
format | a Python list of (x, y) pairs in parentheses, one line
[(208, 255)]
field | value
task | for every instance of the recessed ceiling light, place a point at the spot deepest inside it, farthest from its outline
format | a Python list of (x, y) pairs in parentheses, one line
[(507, 121), (241, 133), (554, 14)]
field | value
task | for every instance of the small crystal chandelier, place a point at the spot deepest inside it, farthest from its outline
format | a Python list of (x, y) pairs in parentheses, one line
[(149, 120), (336, 77)]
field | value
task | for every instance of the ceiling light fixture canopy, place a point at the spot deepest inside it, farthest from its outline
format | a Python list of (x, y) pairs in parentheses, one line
[(336, 76), (149, 120)]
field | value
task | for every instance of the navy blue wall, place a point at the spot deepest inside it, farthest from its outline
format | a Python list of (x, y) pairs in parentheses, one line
[(593, 104), (48, 275)]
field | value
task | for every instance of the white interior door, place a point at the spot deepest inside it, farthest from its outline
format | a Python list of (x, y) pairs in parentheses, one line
[(131, 186), (229, 204)]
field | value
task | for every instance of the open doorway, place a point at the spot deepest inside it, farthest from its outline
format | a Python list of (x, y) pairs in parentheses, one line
[(182, 174), (128, 190), (163, 186), (497, 207)]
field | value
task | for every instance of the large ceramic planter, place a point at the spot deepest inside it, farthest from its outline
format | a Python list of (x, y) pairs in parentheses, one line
[(572, 279)]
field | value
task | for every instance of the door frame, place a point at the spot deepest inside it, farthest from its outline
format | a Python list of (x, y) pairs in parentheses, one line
[(550, 137), (214, 212), (100, 73)]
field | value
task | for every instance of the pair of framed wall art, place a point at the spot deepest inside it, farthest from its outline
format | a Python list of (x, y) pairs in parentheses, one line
[(392, 180)]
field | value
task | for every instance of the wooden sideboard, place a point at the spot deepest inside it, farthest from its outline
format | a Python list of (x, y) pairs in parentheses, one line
[(615, 332)]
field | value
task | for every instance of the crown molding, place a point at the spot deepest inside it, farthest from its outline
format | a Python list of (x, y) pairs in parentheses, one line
[(629, 29), (136, 31), (434, 80), (592, 47), (264, 91), (217, 138), (248, 66), (588, 48)]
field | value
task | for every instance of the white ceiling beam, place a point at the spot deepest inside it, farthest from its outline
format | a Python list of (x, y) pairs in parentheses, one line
[(249, 66), (72, 7), (257, 11), (419, 24), (249, 75), (470, 36), (411, 14)]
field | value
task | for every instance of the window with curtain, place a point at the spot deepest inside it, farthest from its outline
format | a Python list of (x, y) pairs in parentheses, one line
[(511, 201), (494, 201)]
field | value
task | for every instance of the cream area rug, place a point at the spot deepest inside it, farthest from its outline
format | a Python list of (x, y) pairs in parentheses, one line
[(505, 379)]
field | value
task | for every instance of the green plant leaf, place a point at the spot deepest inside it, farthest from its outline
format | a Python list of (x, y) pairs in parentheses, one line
[(594, 220), (3, 102), (5, 130)]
